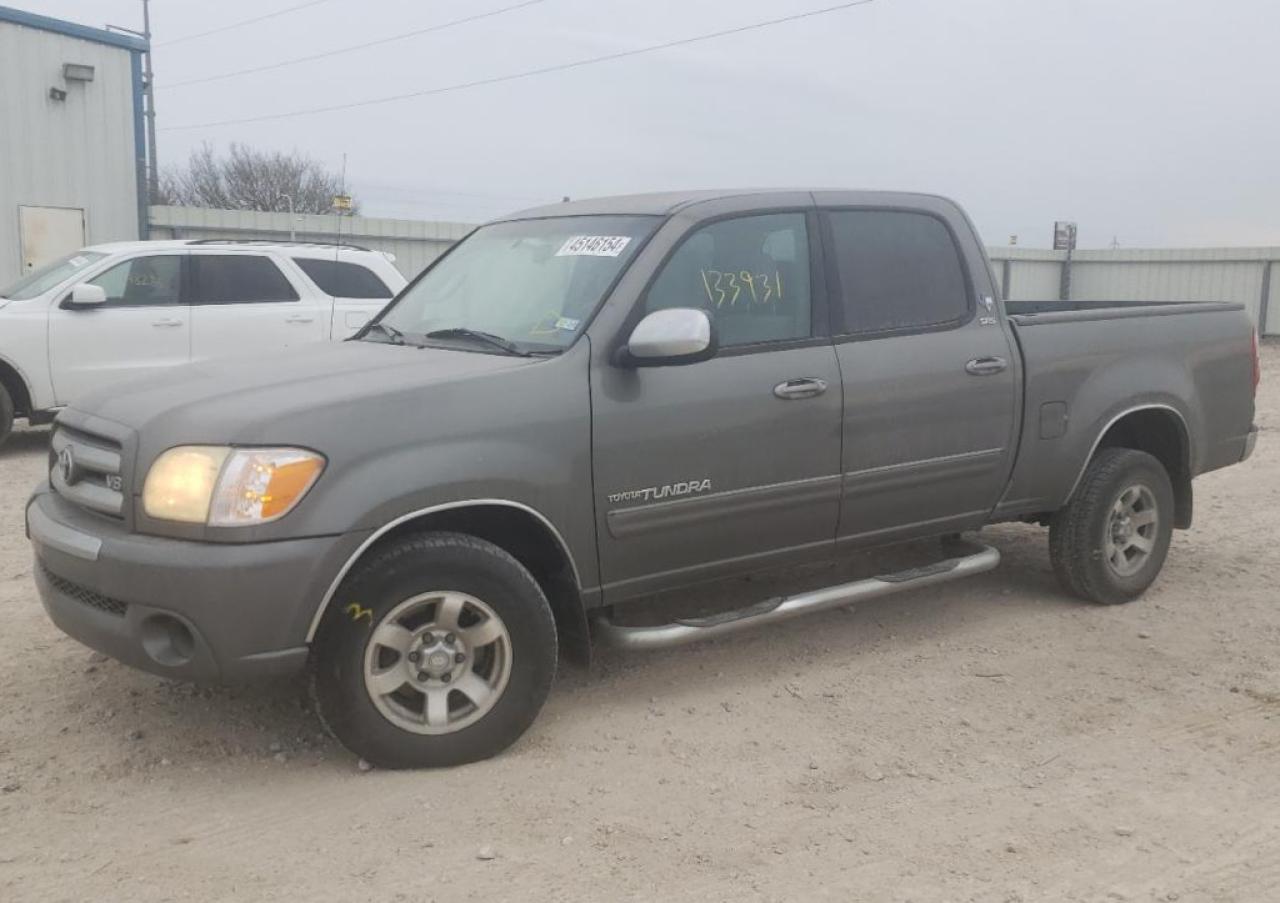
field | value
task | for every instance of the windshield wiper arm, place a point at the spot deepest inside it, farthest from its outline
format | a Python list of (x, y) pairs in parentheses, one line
[(462, 332), (395, 335)]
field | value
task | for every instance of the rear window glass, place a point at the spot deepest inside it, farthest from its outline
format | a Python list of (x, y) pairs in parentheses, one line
[(342, 279), (238, 279), (897, 271)]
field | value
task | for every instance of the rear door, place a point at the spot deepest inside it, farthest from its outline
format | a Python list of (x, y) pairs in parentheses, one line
[(356, 291), (930, 377), (244, 303), (144, 327), (716, 467)]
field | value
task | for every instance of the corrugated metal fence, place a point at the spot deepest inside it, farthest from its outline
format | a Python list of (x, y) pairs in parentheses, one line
[(1249, 276)]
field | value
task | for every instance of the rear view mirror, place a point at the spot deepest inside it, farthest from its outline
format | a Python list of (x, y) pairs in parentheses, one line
[(678, 335), (86, 295)]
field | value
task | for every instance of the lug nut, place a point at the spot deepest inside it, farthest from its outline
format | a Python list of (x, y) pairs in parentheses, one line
[(422, 675), (413, 656), (445, 677), (427, 639), (459, 658), (449, 638)]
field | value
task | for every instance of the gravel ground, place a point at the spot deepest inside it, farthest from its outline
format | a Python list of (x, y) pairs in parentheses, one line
[(990, 740)]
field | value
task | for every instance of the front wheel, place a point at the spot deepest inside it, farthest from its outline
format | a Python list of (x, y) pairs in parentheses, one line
[(6, 414), (438, 650), (1110, 541)]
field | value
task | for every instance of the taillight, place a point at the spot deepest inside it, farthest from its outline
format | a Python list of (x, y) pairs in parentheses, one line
[(1257, 364)]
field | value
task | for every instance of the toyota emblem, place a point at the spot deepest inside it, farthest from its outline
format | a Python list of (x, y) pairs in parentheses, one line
[(67, 465)]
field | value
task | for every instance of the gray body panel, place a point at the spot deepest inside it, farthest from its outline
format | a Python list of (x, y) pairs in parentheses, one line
[(904, 443)]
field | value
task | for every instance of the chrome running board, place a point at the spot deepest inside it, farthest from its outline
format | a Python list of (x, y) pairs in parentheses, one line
[(782, 608)]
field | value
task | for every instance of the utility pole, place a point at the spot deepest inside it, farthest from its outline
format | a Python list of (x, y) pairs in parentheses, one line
[(153, 174)]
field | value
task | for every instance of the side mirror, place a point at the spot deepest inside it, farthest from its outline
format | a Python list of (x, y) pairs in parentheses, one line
[(677, 335), (86, 295)]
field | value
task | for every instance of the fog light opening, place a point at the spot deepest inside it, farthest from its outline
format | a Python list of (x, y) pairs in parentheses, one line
[(167, 640)]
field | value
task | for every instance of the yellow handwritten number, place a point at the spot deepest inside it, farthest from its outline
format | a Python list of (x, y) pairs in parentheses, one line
[(357, 612)]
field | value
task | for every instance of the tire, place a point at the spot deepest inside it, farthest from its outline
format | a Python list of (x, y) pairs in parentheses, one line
[(6, 414), (404, 672), (1110, 541)]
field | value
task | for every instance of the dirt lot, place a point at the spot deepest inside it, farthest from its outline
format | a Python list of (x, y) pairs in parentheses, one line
[(991, 740)]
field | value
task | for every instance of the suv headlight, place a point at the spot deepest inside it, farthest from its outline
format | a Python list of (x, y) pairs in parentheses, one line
[(228, 487)]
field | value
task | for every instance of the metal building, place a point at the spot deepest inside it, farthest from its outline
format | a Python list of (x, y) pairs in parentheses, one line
[(72, 154)]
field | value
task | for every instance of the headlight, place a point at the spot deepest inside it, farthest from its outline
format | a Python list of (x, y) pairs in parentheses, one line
[(228, 487)]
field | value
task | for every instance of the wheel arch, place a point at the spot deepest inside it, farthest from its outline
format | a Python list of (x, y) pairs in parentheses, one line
[(1161, 431), (523, 532), (16, 386)]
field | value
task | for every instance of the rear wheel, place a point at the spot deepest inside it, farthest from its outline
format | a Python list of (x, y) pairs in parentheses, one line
[(1109, 543), (438, 650), (6, 414)]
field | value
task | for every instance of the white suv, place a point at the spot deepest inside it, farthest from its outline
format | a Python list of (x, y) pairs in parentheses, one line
[(113, 312)]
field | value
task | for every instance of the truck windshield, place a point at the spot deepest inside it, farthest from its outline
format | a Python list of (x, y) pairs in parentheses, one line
[(531, 284), (46, 277)]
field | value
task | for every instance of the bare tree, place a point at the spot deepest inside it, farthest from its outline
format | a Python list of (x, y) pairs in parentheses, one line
[(249, 179)]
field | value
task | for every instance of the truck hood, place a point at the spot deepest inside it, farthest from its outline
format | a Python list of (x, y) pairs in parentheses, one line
[(237, 399)]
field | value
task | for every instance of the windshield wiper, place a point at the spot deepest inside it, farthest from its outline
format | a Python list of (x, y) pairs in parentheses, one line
[(462, 332), (395, 335)]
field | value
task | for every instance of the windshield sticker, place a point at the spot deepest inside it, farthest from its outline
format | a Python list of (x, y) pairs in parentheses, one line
[(568, 324), (78, 262), (594, 246)]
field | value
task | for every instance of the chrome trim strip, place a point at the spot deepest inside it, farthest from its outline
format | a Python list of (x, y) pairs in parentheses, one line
[(45, 531), (680, 632), (391, 525), (1186, 432), (682, 512)]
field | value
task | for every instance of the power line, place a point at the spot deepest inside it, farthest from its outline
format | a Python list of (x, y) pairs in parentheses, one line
[(529, 73), (222, 28), (352, 48)]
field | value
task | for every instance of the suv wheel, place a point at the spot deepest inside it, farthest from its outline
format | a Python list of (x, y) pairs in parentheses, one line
[(6, 414), (438, 650), (1110, 541)]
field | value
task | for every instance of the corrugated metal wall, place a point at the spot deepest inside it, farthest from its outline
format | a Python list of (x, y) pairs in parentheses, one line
[(415, 243), (78, 152)]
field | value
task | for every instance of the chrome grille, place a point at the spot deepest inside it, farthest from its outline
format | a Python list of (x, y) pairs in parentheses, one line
[(86, 469)]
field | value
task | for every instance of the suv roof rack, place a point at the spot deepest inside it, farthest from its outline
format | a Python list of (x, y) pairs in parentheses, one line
[(268, 241)]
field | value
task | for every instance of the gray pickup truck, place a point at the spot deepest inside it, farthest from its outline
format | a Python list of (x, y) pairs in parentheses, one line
[(584, 406)]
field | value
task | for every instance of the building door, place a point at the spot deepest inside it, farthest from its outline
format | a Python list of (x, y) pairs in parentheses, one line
[(48, 233)]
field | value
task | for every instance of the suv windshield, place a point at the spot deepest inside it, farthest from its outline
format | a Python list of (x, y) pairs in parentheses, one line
[(49, 275), (532, 284)]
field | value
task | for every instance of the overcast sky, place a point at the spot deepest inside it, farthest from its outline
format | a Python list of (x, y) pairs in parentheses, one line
[(1151, 123)]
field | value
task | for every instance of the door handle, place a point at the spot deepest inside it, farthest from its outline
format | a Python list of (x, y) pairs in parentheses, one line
[(166, 324), (298, 318), (803, 387), (985, 366)]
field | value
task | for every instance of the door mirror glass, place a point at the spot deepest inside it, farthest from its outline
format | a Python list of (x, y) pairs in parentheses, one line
[(677, 335), (87, 295)]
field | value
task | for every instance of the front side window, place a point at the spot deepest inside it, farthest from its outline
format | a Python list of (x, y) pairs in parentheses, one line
[(50, 276), (897, 270), (750, 273), (143, 282), (238, 279), (342, 279), (532, 284)]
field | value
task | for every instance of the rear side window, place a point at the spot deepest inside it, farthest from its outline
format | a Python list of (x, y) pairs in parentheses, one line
[(342, 279), (238, 279), (897, 271), (751, 273)]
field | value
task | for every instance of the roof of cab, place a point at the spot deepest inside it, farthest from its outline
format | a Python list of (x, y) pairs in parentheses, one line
[(665, 203)]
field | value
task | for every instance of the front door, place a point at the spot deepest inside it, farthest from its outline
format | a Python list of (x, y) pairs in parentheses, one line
[(244, 304), (710, 468), (143, 328), (929, 378)]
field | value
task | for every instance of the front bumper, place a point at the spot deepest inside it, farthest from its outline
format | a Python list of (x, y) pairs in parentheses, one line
[(190, 610)]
